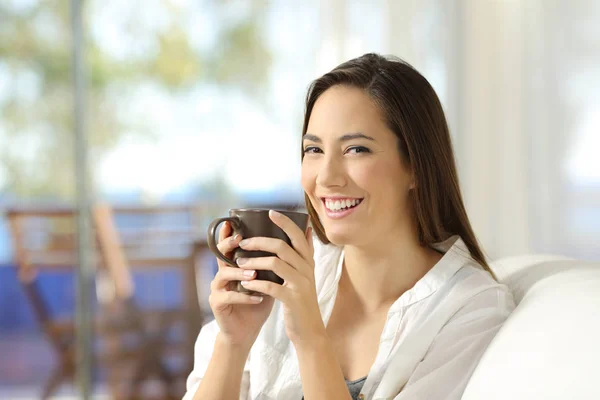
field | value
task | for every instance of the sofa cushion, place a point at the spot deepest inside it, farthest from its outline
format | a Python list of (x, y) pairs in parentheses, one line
[(549, 348)]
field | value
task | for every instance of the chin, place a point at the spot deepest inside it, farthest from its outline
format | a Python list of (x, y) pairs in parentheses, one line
[(340, 238)]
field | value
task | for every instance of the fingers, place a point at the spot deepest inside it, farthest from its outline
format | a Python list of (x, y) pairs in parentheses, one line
[(296, 235), (309, 240), (269, 288), (219, 301), (277, 247), (275, 264), (228, 274), (225, 231), (227, 243), (220, 298)]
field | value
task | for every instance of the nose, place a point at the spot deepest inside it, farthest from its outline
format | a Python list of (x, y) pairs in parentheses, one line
[(331, 173)]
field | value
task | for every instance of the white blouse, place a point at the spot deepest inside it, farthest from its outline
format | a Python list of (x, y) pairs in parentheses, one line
[(433, 338)]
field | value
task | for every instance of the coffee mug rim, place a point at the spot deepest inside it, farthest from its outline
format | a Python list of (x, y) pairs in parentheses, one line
[(267, 209)]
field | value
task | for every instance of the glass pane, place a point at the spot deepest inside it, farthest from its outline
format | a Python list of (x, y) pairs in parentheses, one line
[(193, 108)]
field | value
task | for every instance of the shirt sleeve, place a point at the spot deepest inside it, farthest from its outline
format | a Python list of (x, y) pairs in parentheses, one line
[(203, 350), (445, 370)]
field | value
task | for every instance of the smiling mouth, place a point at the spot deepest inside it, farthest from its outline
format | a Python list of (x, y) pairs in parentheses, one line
[(340, 205)]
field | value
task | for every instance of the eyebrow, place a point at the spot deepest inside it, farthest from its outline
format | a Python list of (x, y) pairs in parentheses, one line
[(344, 138)]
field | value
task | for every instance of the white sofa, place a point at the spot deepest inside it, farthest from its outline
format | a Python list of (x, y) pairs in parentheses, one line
[(549, 348)]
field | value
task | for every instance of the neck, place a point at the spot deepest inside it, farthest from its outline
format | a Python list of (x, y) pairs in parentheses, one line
[(376, 274)]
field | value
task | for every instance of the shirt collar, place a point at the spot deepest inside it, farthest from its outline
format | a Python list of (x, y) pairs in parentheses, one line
[(456, 255)]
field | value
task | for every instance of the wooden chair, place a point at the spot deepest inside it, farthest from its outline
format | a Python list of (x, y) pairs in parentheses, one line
[(152, 246), (50, 246), (43, 240)]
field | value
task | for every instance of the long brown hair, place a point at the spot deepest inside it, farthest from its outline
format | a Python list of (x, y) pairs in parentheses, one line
[(414, 113)]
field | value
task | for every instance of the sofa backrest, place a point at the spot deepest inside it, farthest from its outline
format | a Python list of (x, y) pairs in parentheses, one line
[(549, 348)]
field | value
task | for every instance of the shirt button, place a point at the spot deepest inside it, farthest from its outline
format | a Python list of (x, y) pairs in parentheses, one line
[(361, 397)]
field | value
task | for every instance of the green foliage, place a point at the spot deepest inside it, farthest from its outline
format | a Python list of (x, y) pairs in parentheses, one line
[(36, 113)]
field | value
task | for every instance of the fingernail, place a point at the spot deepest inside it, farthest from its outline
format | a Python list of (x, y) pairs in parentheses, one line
[(274, 214), (244, 283), (249, 272), (241, 261), (235, 238), (257, 299), (244, 242)]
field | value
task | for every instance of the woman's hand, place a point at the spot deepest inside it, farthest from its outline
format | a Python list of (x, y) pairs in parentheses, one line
[(239, 316), (295, 265)]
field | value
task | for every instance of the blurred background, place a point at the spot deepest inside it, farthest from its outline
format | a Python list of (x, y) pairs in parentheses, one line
[(189, 106)]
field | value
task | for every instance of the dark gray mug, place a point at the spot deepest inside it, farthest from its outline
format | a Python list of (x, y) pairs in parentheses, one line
[(253, 222)]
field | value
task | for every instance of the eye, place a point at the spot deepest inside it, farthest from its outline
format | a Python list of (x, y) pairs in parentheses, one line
[(312, 150), (357, 149)]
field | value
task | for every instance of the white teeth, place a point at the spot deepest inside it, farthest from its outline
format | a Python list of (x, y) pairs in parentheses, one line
[(336, 205)]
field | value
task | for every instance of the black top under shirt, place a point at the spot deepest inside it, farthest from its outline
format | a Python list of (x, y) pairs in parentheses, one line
[(354, 387)]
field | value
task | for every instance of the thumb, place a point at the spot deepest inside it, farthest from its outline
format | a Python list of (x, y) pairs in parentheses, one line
[(309, 239)]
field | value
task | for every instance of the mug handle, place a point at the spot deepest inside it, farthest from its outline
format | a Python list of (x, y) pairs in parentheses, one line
[(212, 242)]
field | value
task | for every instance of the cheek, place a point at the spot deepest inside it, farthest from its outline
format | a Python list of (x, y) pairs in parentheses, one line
[(383, 181), (369, 174), (308, 176)]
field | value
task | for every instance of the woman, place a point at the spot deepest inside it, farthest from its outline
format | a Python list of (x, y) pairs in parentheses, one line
[(394, 300)]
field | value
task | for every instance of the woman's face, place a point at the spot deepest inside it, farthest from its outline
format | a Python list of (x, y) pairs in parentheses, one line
[(352, 171)]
